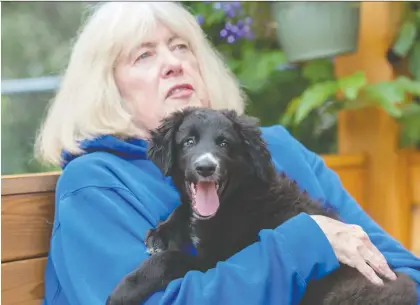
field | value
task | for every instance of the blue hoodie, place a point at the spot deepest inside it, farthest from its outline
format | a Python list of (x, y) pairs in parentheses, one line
[(108, 198)]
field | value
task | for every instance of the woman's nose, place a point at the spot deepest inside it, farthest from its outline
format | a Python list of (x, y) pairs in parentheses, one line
[(171, 65)]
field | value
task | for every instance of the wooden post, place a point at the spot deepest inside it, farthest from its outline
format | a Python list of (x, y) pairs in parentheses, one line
[(372, 131)]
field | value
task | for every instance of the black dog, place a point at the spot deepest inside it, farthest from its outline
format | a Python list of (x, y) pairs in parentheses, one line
[(230, 191)]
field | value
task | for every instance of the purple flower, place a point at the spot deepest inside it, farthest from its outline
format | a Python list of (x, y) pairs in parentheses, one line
[(234, 28), (223, 33), (231, 39), (200, 19), (237, 26)]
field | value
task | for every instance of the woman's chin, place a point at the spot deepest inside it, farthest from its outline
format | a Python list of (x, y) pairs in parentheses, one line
[(175, 105)]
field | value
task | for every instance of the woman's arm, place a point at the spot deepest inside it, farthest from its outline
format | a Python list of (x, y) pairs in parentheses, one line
[(399, 258), (95, 244)]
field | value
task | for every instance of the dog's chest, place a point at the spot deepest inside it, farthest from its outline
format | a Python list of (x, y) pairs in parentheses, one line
[(218, 241)]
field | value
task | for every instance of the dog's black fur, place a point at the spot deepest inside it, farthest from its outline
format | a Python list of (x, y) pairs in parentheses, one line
[(252, 197)]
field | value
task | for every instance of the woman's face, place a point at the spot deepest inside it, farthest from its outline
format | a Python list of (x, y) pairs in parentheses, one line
[(158, 77)]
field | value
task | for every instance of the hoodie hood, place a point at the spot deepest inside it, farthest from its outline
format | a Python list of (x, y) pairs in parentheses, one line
[(130, 149)]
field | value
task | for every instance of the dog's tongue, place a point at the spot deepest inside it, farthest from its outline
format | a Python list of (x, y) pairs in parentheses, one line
[(206, 199)]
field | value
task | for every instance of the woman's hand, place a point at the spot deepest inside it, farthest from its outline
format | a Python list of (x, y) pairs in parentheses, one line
[(353, 247)]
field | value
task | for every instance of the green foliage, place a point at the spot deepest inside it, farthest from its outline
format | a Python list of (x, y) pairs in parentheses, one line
[(318, 70), (414, 62), (37, 39), (410, 125), (406, 38), (351, 85), (256, 63), (395, 97), (255, 74)]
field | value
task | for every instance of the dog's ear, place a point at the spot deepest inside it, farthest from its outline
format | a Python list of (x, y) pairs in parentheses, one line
[(160, 149), (259, 156)]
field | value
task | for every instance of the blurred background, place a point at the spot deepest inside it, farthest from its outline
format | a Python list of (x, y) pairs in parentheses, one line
[(298, 91)]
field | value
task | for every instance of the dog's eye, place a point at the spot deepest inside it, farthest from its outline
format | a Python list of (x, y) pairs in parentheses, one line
[(223, 143), (189, 142)]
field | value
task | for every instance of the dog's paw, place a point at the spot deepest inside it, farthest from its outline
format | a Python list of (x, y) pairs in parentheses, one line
[(114, 300), (155, 241), (122, 297), (129, 289), (118, 298)]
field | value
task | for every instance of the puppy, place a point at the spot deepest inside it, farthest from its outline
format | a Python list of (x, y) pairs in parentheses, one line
[(229, 192)]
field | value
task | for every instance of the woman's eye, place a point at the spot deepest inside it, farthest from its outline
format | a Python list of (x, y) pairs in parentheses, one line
[(189, 142), (181, 46), (144, 55)]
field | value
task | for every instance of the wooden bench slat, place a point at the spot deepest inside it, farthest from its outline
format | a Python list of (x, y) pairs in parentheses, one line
[(29, 183), (26, 225), (23, 282)]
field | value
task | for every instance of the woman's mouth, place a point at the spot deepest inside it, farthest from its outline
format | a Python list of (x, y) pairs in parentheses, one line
[(180, 91)]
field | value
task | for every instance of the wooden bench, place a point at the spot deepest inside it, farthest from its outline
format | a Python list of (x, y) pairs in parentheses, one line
[(28, 214), (27, 210)]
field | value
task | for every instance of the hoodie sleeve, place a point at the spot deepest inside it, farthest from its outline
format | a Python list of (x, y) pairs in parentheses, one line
[(99, 239), (399, 258)]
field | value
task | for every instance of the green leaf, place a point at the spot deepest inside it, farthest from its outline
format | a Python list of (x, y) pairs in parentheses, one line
[(314, 97), (216, 16), (286, 119), (255, 75), (414, 61), (408, 85), (352, 84), (411, 110), (318, 70), (233, 63), (410, 125), (405, 38), (387, 95)]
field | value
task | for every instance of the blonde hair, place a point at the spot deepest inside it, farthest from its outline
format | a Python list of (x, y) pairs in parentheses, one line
[(88, 103)]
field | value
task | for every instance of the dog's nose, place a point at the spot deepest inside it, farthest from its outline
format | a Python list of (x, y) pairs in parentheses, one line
[(205, 168)]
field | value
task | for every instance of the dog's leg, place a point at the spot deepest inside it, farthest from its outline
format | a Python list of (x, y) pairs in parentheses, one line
[(153, 275), (171, 234)]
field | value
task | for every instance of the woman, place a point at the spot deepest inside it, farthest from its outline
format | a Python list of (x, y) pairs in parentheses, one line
[(132, 64)]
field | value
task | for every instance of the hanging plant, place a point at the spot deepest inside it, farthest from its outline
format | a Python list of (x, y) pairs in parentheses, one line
[(399, 97)]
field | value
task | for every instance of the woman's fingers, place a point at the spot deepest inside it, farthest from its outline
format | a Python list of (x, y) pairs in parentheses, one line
[(353, 247), (377, 261), (367, 271), (371, 254)]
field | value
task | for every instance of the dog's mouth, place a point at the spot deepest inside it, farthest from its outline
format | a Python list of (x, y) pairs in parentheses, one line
[(205, 197)]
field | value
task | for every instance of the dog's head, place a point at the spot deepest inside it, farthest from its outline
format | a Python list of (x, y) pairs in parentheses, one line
[(209, 153)]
